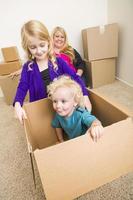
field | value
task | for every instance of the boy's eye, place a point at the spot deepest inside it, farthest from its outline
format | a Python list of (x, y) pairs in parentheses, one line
[(63, 101), (54, 101)]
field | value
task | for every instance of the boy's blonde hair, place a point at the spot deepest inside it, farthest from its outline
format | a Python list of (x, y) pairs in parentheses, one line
[(67, 49), (67, 82), (35, 28)]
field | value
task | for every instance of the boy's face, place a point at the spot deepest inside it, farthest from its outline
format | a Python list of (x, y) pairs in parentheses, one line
[(63, 101), (38, 48)]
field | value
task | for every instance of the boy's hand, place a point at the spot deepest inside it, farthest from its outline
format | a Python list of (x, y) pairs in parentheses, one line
[(96, 131)]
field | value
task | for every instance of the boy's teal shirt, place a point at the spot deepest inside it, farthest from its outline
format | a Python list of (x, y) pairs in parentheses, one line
[(75, 125)]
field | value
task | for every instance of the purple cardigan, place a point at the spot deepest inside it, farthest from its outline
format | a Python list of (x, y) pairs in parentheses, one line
[(31, 80)]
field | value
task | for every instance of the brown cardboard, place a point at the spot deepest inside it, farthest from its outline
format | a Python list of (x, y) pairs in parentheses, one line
[(9, 67), (101, 72), (40, 133), (77, 166), (85, 44), (100, 43), (10, 54), (9, 86)]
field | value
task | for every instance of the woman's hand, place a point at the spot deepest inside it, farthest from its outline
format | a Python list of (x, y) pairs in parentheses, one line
[(87, 103), (16, 73), (20, 112)]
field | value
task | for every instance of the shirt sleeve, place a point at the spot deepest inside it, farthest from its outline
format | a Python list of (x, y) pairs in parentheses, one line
[(22, 86), (55, 122), (78, 61), (88, 118), (66, 70)]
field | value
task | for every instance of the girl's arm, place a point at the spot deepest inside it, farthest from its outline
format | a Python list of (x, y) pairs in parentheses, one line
[(78, 63), (87, 103), (22, 86), (19, 111)]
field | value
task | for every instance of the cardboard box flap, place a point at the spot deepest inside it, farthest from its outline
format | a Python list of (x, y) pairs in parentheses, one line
[(7, 68), (38, 125), (106, 111), (112, 101), (9, 86), (78, 166)]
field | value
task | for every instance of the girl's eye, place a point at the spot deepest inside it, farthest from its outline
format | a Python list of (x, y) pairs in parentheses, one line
[(42, 45), (54, 101), (32, 47)]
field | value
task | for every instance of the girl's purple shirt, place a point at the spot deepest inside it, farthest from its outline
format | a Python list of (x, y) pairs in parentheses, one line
[(31, 80)]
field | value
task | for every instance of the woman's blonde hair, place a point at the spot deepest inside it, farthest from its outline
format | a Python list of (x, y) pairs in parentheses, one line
[(67, 82), (67, 49), (35, 28)]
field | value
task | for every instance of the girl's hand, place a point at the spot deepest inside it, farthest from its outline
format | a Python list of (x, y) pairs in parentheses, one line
[(87, 103), (20, 112)]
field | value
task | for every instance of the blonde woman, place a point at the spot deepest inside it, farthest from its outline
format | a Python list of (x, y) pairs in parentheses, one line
[(71, 115), (62, 47), (41, 67)]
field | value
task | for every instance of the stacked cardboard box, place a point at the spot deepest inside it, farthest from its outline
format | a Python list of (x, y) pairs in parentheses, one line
[(11, 64), (8, 86), (100, 45)]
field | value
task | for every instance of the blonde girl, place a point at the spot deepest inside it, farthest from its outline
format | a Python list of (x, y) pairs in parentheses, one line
[(41, 68)]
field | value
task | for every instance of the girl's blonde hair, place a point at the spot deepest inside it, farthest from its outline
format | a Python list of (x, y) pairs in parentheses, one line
[(67, 49), (67, 82), (35, 28)]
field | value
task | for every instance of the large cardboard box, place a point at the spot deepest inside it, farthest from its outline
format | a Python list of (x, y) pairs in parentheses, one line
[(100, 42), (9, 67), (100, 72), (9, 86), (72, 168), (10, 54)]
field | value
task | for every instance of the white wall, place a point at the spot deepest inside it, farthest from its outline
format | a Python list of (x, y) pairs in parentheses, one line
[(121, 11), (73, 15)]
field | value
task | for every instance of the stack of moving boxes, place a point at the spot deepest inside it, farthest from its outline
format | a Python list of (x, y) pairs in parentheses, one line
[(100, 46), (11, 64), (11, 60)]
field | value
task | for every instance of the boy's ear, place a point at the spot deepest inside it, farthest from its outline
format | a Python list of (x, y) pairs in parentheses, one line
[(75, 104)]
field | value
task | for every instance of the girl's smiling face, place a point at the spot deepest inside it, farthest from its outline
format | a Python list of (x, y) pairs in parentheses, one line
[(38, 48)]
